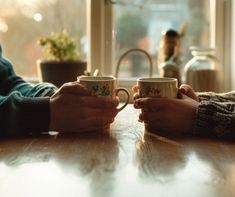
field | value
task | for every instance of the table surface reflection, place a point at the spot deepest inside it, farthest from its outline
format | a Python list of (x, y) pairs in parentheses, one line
[(128, 162)]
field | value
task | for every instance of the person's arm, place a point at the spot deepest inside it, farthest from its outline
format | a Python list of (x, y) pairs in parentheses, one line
[(186, 115), (24, 107), (215, 119), (27, 108), (10, 82), (21, 115), (218, 97), (215, 113), (206, 96)]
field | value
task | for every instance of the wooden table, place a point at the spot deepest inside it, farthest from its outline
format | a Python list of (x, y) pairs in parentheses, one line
[(126, 163)]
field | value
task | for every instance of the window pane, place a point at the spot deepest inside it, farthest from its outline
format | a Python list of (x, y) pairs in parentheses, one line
[(22, 22), (139, 24)]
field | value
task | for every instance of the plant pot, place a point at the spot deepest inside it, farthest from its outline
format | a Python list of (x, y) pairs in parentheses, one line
[(59, 73)]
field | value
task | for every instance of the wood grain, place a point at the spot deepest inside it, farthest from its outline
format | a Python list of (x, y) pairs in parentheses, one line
[(125, 162)]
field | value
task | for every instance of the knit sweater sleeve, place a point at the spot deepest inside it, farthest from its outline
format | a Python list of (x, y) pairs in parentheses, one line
[(216, 116), (24, 107), (21, 115), (222, 97)]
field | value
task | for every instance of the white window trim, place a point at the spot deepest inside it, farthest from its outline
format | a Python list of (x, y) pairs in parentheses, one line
[(233, 46), (99, 31), (100, 26), (221, 37)]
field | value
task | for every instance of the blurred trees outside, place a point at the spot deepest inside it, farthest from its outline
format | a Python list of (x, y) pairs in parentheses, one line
[(131, 28), (140, 25), (23, 22)]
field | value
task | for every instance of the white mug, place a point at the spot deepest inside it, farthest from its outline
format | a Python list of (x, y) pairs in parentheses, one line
[(157, 88), (161, 87), (104, 86)]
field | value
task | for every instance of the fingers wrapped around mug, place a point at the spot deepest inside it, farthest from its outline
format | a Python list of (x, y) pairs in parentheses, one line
[(148, 103), (99, 102), (104, 87), (188, 91), (74, 88), (89, 112)]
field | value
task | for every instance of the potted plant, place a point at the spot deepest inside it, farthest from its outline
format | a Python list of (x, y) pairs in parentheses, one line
[(62, 61)]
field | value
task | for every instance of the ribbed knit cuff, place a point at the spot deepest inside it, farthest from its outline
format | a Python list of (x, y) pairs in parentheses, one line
[(212, 120), (205, 96)]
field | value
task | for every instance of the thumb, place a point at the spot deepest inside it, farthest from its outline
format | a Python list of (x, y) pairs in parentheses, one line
[(187, 90), (74, 88)]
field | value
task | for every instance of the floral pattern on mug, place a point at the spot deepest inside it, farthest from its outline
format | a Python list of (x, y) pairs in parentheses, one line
[(105, 91), (151, 91), (101, 91), (95, 89)]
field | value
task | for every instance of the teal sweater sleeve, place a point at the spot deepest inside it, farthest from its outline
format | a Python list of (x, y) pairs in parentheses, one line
[(24, 107)]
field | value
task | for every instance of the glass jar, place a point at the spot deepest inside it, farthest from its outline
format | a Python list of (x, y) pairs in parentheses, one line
[(202, 71)]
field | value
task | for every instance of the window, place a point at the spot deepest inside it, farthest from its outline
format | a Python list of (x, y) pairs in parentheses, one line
[(102, 27), (207, 22), (139, 24), (22, 22)]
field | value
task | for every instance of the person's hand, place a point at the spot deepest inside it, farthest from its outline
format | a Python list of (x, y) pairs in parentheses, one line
[(184, 89), (188, 91), (168, 116), (72, 109)]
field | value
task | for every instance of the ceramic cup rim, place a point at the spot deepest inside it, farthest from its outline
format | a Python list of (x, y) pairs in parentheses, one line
[(157, 79), (96, 78)]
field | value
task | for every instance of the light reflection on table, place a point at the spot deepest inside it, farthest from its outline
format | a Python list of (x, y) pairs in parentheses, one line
[(128, 162)]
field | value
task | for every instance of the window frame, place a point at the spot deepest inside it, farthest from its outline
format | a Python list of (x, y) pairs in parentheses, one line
[(221, 37), (232, 46), (100, 25), (99, 33)]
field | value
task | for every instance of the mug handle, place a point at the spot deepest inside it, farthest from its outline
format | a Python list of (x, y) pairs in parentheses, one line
[(127, 100)]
